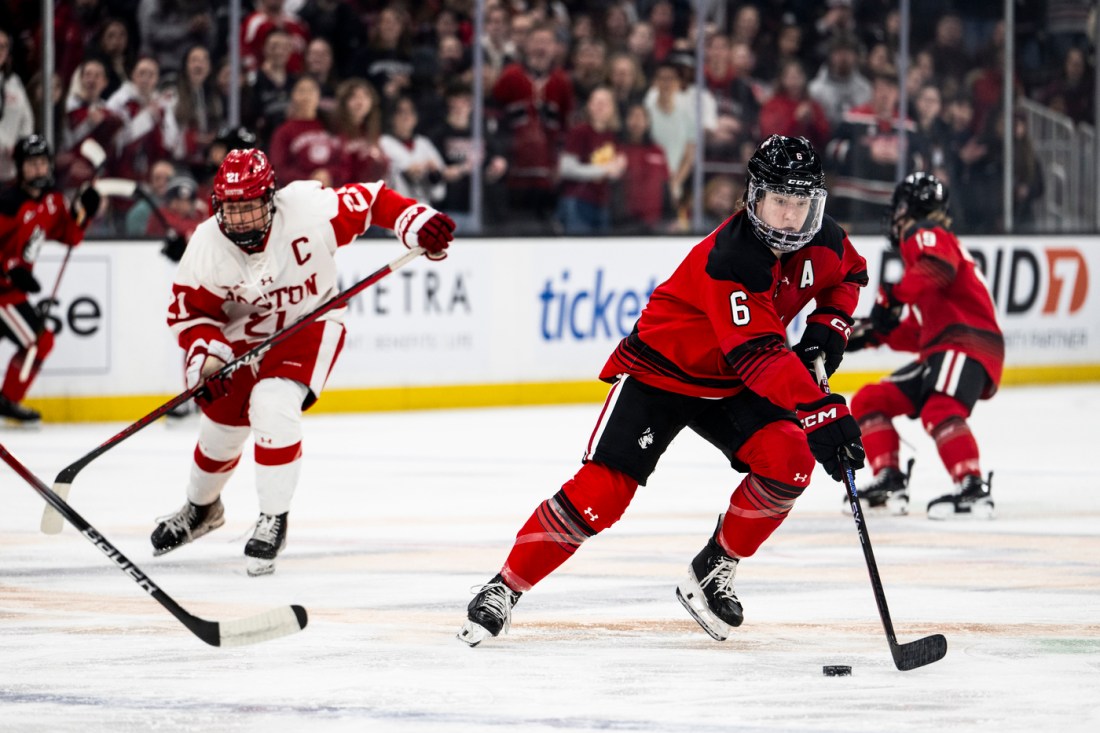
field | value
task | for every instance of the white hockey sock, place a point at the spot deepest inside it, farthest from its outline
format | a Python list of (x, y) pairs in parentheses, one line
[(216, 454), (276, 415)]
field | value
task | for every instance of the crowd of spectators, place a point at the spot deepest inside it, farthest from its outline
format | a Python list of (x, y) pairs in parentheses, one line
[(590, 122)]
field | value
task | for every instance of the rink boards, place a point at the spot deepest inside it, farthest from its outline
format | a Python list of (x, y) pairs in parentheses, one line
[(508, 322)]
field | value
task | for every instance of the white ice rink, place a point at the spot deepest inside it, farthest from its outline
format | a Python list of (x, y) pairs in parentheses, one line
[(399, 514)]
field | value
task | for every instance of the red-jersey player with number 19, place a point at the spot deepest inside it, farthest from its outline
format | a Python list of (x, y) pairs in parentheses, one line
[(952, 324), (709, 353), (265, 259)]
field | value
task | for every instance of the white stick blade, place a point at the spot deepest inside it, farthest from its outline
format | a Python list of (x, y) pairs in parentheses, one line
[(93, 152), (120, 187), (271, 624), (52, 522)]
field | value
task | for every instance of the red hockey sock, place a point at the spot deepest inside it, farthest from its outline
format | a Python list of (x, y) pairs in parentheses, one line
[(590, 502), (757, 508), (881, 441), (957, 447)]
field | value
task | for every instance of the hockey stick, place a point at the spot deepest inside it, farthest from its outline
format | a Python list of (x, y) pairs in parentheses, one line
[(271, 624), (906, 656), (32, 350), (51, 522), (94, 153)]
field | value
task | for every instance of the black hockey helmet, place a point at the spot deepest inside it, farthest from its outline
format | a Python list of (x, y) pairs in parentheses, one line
[(236, 138), (787, 167), (918, 195), (33, 146)]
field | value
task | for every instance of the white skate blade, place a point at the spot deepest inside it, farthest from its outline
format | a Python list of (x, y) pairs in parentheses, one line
[(472, 633), (982, 509), (897, 504), (258, 566), (692, 598)]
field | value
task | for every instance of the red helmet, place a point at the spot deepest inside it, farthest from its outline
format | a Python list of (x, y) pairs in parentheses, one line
[(245, 175)]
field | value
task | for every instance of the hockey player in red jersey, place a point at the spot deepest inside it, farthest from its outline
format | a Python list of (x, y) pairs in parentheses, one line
[(952, 325), (265, 259), (709, 353), (32, 211)]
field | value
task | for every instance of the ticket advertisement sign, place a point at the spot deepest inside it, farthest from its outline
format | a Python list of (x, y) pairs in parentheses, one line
[(501, 311)]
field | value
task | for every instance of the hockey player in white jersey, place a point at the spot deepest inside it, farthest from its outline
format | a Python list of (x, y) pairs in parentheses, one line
[(264, 260)]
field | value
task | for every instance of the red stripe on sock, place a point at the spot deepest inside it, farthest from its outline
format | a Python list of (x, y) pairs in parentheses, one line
[(278, 456)]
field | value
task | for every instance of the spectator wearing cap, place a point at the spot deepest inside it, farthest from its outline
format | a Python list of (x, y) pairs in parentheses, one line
[(839, 86), (182, 211), (161, 173), (864, 153), (791, 111)]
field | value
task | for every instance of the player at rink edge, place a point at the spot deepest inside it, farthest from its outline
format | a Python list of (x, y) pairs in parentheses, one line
[(961, 354), (709, 353), (261, 262)]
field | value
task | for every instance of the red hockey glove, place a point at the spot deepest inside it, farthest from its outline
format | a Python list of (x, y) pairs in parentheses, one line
[(832, 434), (826, 335), (422, 226), (204, 359)]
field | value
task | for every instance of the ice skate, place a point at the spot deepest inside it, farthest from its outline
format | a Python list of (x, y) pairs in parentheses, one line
[(972, 498), (19, 415), (489, 613), (268, 540), (707, 592), (189, 523), (889, 490)]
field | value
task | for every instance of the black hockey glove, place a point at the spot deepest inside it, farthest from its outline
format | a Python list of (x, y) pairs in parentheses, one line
[(23, 279), (832, 434), (826, 335), (864, 335), (85, 206), (174, 245), (886, 312)]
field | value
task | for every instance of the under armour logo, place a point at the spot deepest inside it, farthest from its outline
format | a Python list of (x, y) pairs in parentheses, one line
[(801, 477), (590, 514), (646, 440), (267, 281)]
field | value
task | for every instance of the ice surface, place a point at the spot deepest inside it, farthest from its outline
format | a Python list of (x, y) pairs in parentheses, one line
[(398, 515)]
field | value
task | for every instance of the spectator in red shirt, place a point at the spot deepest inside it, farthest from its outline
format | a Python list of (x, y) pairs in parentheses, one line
[(86, 116), (589, 164), (358, 126), (534, 100), (149, 130), (269, 16), (302, 147), (791, 111), (644, 201)]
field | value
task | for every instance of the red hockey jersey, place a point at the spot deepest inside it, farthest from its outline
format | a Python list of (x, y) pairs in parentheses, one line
[(25, 223), (718, 324), (950, 307)]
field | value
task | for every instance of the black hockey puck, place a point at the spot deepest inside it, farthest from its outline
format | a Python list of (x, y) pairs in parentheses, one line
[(836, 670)]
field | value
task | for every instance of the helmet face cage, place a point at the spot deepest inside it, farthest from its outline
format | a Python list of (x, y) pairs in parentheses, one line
[(785, 240), (245, 176), (33, 146), (788, 167)]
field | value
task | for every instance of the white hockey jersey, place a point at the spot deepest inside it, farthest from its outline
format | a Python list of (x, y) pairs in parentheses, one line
[(223, 293)]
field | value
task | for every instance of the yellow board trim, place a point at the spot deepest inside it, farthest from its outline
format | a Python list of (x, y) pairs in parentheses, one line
[(128, 408)]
